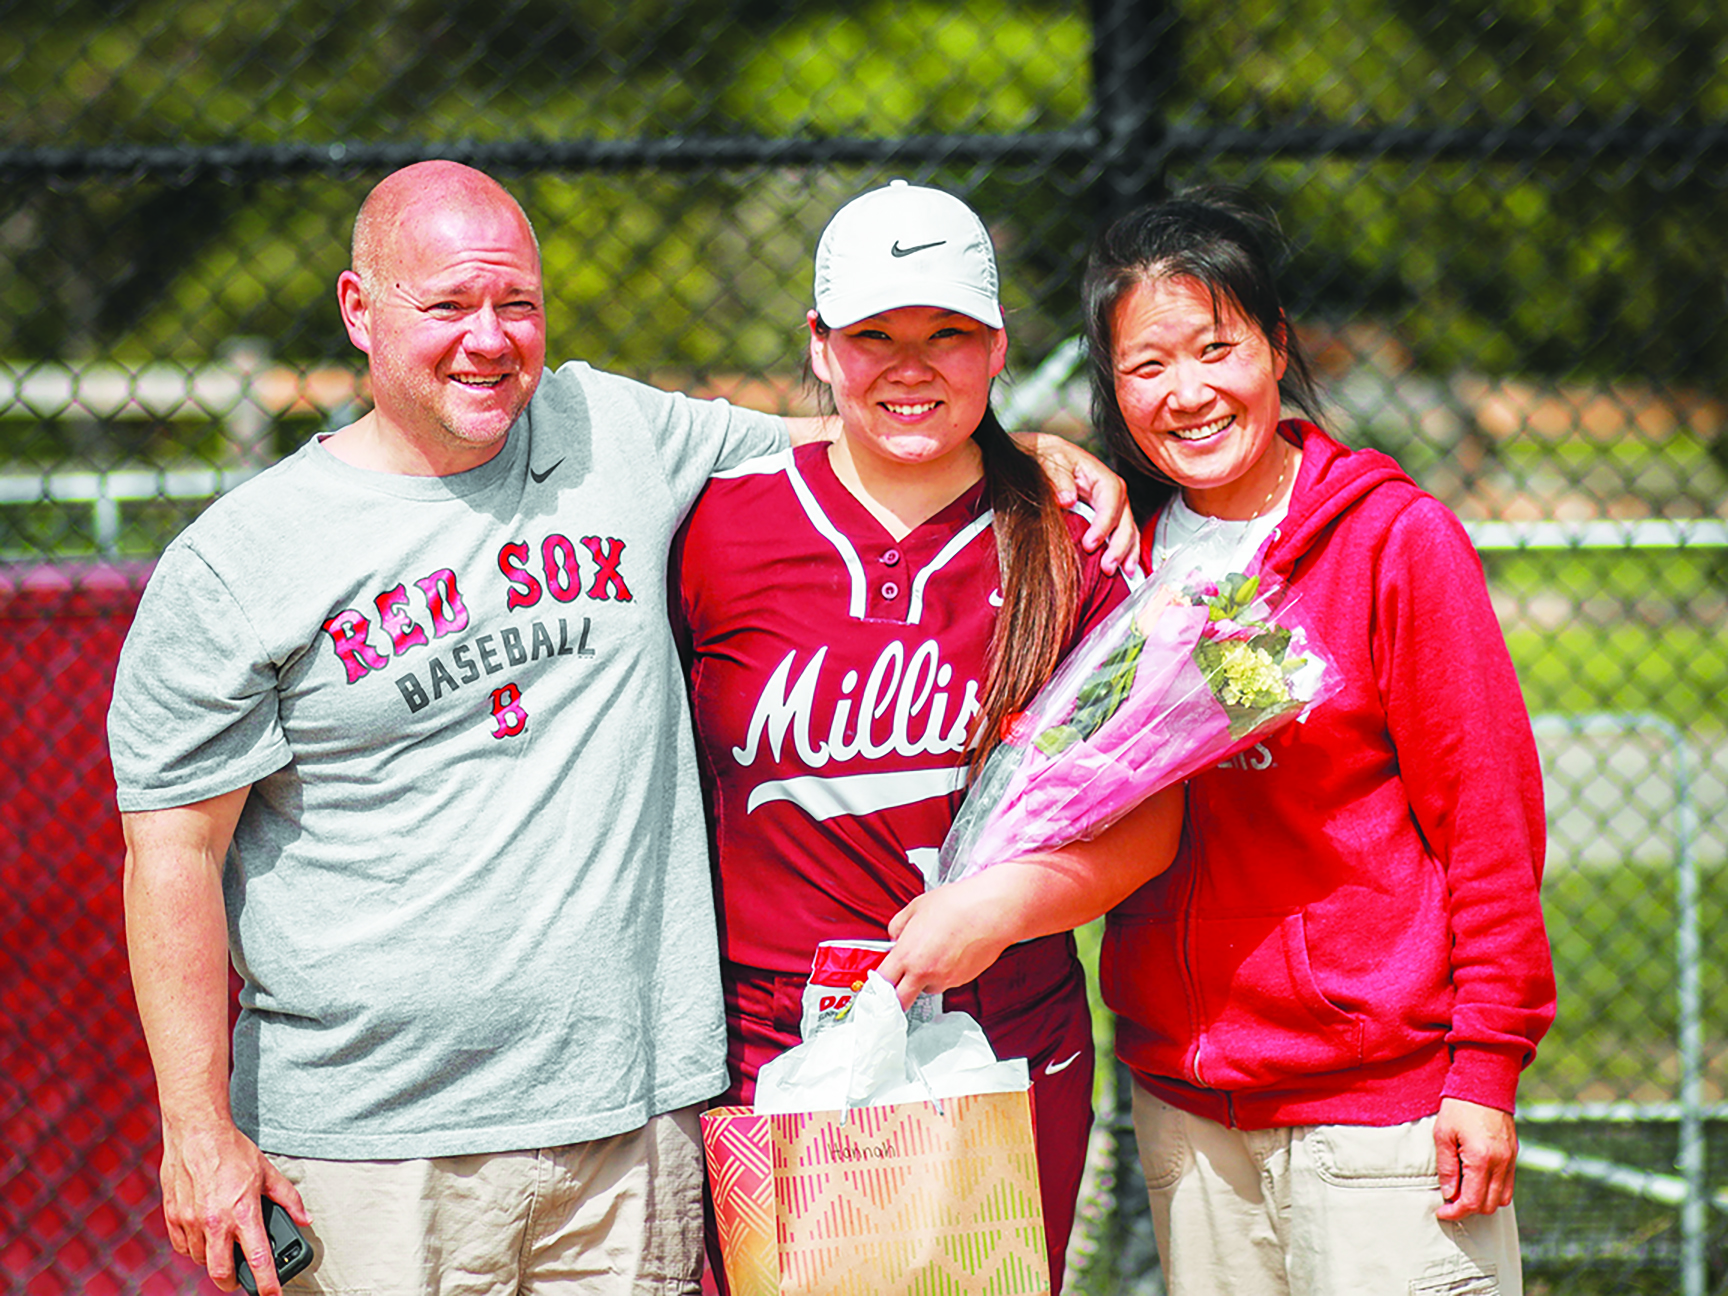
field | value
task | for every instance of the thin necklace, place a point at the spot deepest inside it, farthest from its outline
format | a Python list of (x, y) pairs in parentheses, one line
[(1160, 542), (1277, 486), (1265, 505)]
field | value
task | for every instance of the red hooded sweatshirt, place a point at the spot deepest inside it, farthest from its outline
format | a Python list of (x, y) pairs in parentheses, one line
[(1351, 929)]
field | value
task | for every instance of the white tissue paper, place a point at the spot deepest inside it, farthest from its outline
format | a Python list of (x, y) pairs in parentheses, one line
[(874, 1056)]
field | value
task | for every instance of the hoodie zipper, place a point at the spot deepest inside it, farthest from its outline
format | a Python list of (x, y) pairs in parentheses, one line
[(1189, 973)]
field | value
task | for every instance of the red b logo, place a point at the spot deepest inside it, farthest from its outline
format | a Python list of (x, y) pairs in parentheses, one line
[(507, 711)]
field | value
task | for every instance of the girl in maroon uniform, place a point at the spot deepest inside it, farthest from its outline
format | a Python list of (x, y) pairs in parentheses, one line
[(863, 616)]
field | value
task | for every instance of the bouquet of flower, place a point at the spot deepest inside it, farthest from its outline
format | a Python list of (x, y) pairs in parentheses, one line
[(1185, 674)]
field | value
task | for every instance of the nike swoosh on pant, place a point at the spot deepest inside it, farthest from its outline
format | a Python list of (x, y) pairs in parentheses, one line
[(1053, 1067)]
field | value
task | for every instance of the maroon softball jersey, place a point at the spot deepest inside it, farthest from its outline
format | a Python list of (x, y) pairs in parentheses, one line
[(834, 673)]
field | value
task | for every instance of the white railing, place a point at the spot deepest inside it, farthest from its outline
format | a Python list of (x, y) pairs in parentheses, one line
[(104, 492), (245, 394), (244, 388), (1643, 533)]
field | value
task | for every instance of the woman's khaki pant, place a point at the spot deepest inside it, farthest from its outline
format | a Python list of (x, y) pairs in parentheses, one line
[(1314, 1210)]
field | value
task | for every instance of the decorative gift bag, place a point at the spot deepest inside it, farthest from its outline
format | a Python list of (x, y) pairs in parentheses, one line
[(933, 1190)]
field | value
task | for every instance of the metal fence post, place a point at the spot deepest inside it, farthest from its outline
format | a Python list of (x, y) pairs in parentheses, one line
[(1134, 67), (248, 421), (1692, 1193), (1691, 1158)]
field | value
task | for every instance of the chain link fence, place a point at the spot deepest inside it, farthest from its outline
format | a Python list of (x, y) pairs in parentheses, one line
[(1510, 233)]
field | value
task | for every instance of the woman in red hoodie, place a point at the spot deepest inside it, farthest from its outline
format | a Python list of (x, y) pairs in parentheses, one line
[(1326, 1001)]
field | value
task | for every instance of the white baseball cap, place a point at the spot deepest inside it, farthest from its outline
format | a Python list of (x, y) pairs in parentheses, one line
[(904, 245)]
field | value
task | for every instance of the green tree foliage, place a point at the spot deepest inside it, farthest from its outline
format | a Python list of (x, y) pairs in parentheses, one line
[(173, 268), (1560, 265), (1566, 265), (646, 271), (890, 68)]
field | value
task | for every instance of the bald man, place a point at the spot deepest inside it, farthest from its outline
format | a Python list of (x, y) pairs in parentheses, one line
[(400, 729)]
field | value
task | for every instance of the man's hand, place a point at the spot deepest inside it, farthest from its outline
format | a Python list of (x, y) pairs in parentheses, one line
[(1478, 1157), (212, 1182), (1076, 473), (177, 944)]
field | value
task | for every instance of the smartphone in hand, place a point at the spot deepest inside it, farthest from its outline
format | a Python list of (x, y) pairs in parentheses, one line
[(288, 1246)]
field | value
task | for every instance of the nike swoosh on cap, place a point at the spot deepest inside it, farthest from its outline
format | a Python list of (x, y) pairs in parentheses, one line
[(899, 251), (542, 476)]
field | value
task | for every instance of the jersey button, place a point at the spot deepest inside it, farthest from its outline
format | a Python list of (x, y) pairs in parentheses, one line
[(890, 590), (891, 557)]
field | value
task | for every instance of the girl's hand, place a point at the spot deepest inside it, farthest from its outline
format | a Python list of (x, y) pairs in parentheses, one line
[(946, 937), (943, 939)]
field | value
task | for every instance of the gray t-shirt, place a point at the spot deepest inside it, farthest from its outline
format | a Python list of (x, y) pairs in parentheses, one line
[(469, 894)]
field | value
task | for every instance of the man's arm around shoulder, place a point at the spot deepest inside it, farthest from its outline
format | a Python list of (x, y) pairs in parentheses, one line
[(177, 939)]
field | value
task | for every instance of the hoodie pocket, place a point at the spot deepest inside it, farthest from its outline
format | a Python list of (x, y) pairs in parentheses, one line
[(1238, 1009), (1263, 1017)]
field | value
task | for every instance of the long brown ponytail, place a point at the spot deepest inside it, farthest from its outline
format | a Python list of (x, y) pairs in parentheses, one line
[(1040, 581)]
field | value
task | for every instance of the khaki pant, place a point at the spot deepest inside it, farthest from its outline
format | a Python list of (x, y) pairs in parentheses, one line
[(615, 1215), (1316, 1210)]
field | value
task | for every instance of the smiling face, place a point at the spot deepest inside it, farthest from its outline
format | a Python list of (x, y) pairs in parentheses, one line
[(1198, 389), (450, 312), (911, 384)]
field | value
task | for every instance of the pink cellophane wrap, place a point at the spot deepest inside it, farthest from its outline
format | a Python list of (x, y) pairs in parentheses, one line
[(1170, 722)]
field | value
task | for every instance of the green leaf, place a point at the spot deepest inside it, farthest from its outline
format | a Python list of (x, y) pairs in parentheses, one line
[(1055, 741), (1102, 693)]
